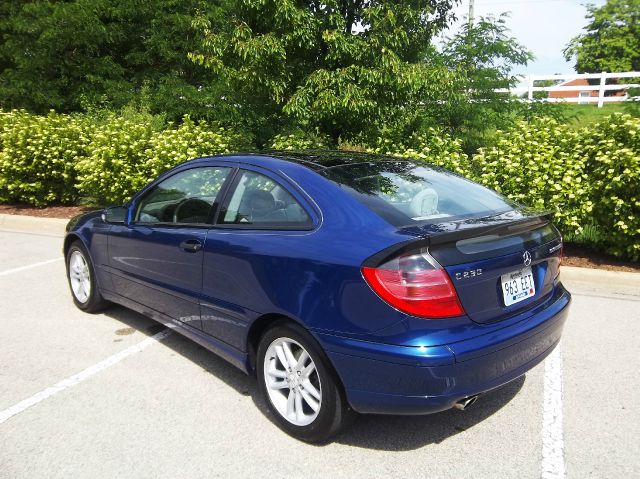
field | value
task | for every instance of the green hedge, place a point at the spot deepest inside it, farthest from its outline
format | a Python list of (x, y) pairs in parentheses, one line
[(38, 156), (60, 158), (535, 164), (612, 150), (432, 146), (589, 177), (299, 140), (125, 155)]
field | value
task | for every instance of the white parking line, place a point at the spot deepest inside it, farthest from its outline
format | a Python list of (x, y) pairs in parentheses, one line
[(552, 432), (81, 376), (29, 266)]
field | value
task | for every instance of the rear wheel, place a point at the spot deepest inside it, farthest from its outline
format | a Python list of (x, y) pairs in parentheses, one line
[(299, 385), (82, 279)]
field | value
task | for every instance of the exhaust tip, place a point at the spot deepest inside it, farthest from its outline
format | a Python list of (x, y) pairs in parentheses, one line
[(466, 402)]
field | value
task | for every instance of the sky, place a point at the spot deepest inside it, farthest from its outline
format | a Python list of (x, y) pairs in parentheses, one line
[(543, 26)]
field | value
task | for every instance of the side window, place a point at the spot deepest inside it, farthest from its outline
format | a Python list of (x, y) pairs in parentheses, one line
[(258, 200), (184, 198)]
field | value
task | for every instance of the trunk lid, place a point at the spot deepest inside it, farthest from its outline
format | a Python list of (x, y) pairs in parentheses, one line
[(481, 254)]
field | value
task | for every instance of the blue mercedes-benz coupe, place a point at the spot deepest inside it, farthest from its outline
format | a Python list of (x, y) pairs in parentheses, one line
[(345, 282)]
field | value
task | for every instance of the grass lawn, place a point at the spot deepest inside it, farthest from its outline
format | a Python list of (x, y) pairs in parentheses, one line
[(583, 115)]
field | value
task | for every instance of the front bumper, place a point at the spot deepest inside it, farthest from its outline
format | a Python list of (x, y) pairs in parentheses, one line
[(388, 379)]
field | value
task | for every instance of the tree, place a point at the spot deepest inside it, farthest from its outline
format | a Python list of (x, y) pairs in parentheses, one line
[(70, 55), (338, 66), (53, 49), (612, 39), (482, 57)]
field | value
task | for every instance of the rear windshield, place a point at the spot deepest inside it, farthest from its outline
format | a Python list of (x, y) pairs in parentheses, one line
[(406, 193)]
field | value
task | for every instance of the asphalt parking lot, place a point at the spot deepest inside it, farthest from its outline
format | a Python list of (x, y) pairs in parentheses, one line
[(114, 395)]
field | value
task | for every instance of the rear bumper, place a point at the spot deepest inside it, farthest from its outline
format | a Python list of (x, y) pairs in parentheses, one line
[(386, 379)]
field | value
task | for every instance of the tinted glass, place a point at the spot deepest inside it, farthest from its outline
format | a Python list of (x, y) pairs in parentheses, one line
[(259, 200), (184, 198), (405, 192)]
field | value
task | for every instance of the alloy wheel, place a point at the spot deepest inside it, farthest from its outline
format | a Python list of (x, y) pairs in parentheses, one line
[(292, 381), (79, 276)]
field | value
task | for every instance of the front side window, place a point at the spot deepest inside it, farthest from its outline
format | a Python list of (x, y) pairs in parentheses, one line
[(184, 198), (258, 200)]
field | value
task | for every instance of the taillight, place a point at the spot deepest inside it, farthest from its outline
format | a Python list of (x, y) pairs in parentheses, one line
[(415, 284)]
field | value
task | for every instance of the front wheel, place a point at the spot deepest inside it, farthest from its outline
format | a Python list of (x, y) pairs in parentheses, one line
[(82, 279), (299, 385)]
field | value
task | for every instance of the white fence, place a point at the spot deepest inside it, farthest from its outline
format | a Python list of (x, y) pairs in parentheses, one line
[(584, 92)]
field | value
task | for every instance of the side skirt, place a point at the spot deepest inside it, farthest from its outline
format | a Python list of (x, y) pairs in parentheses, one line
[(237, 358)]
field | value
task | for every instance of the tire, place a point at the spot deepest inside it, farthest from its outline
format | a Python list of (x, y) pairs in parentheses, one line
[(82, 280), (290, 390)]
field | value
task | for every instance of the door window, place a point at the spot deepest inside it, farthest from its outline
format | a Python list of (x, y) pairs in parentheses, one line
[(258, 200), (184, 198)]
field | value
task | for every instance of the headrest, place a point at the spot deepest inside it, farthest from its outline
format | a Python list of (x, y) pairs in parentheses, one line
[(260, 201)]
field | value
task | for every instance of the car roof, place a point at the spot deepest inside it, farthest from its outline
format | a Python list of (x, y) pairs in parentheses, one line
[(321, 159), (316, 160)]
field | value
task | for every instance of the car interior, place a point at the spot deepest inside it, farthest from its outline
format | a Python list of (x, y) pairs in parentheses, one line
[(274, 206), (254, 200), (191, 209)]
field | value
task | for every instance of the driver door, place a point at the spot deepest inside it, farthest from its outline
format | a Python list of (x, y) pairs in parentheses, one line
[(156, 260)]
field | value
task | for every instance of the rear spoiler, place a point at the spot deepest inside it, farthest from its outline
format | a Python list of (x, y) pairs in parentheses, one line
[(424, 236), (502, 224)]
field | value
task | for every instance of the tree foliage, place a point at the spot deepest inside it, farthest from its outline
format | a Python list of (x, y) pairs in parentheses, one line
[(338, 66), (71, 55), (353, 70), (357, 71), (611, 41), (482, 56), (348, 70)]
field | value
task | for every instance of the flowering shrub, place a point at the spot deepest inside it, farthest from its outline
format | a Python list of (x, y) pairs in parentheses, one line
[(590, 177), (299, 140), (536, 164), (125, 155), (38, 155), (59, 158), (433, 146)]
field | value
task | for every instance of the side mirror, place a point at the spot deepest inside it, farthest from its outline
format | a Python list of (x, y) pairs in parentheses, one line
[(114, 214)]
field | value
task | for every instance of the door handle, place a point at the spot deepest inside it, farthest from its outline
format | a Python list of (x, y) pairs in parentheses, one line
[(191, 245)]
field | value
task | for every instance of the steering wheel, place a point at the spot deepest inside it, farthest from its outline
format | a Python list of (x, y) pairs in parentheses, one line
[(193, 202)]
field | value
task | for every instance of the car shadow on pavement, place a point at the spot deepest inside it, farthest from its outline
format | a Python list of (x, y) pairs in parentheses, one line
[(189, 349), (381, 432), (406, 433)]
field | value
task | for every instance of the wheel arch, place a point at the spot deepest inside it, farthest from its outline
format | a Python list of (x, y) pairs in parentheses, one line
[(257, 329), (69, 240), (269, 320)]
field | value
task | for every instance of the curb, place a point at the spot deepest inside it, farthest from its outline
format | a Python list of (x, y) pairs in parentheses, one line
[(33, 224), (574, 273), (600, 281)]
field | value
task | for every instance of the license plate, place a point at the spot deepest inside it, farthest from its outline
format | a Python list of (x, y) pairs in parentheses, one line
[(517, 286)]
